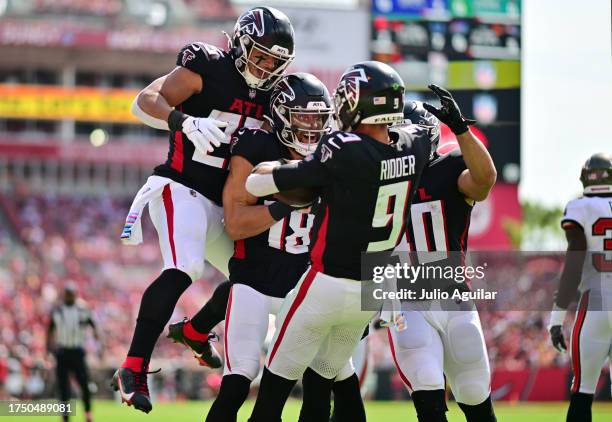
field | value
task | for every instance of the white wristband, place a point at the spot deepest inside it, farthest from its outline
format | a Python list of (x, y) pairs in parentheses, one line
[(261, 185), (557, 316)]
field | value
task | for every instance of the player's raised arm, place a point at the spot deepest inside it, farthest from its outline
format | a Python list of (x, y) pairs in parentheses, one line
[(476, 181)]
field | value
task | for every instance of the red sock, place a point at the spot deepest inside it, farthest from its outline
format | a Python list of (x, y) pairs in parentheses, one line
[(193, 334), (134, 363)]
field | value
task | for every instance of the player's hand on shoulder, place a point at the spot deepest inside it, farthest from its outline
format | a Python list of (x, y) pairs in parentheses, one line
[(557, 338), (204, 132)]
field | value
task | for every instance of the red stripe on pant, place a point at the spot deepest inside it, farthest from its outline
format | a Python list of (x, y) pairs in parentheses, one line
[(299, 298), (582, 310), (228, 311), (364, 369), (399, 370), (169, 207)]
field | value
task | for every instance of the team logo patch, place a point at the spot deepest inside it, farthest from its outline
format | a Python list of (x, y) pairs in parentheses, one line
[(253, 23), (350, 84), (187, 55)]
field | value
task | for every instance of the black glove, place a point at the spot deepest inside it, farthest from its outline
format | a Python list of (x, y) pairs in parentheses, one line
[(449, 113), (557, 338)]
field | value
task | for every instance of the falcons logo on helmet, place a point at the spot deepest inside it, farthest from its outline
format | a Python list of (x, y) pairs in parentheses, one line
[(349, 86), (285, 92), (253, 23)]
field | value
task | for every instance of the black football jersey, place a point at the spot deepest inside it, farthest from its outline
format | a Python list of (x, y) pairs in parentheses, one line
[(440, 213), (225, 96), (365, 197), (439, 223), (273, 261)]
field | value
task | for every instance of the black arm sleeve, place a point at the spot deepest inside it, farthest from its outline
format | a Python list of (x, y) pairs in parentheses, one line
[(572, 270), (306, 173)]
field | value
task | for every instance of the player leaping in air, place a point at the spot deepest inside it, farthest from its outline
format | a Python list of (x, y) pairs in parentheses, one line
[(440, 345), (361, 209), (208, 96), (587, 222)]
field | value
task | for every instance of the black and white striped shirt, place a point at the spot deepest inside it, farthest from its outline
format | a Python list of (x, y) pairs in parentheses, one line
[(70, 323)]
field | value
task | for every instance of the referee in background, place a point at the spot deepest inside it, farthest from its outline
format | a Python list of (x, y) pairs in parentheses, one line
[(65, 340)]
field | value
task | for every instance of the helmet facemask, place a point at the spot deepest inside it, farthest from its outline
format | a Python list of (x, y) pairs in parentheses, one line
[(304, 127), (260, 66)]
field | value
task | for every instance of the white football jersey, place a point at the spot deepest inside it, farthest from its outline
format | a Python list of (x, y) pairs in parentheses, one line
[(594, 215)]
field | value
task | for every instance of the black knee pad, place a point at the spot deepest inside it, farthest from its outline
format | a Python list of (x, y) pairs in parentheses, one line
[(430, 405)]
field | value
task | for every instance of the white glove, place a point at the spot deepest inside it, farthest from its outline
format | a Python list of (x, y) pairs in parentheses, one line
[(204, 132)]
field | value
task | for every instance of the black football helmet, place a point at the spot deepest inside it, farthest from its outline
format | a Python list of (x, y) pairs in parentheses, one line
[(415, 113), (262, 34), (596, 175), (369, 93), (301, 111)]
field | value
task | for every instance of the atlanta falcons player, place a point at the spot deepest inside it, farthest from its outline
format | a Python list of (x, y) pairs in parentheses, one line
[(271, 237), (587, 222), (440, 345), (209, 96), (362, 208)]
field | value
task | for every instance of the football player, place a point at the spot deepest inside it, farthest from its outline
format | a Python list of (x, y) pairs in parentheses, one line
[(587, 222), (271, 245), (271, 237), (209, 96), (363, 207), (441, 345)]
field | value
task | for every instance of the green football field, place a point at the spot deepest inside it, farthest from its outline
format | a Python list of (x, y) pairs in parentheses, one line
[(377, 411)]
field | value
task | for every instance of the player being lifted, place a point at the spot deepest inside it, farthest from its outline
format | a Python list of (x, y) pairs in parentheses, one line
[(208, 97), (587, 222), (361, 209), (440, 345), (271, 237)]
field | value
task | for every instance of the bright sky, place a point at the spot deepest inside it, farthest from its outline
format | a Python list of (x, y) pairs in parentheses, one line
[(567, 94)]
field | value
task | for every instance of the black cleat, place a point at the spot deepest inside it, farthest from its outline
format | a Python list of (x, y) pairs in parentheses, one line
[(203, 351), (133, 388)]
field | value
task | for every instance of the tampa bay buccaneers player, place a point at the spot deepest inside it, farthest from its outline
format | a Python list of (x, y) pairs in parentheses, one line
[(368, 175), (441, 345), (587, 222), (208, 96)]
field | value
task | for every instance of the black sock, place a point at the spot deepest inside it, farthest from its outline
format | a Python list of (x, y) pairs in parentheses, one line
[(156, 307), (273, 393), (430, 405), (213, 311), (232, 394), (482, 412), (316, 397), (348, 404), (580, 408)]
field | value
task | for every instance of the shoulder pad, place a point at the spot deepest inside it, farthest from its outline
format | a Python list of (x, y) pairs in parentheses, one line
[(198, 56)]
